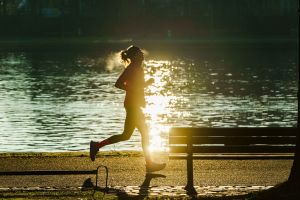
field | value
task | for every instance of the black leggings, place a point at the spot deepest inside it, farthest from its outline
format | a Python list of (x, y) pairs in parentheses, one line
[(134, 119)]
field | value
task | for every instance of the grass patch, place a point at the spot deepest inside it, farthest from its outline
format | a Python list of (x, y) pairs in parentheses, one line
[(49, 195)]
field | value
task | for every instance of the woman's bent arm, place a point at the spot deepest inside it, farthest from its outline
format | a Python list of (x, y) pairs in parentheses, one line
[(121, 82)]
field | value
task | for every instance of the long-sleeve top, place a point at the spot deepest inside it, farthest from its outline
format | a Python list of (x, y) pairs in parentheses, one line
[(133, 82)]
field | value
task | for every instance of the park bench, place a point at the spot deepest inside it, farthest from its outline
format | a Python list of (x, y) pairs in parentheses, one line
[(58, 172), (230, 143)]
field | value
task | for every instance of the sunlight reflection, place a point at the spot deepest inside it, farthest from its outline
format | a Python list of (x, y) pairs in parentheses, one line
[(53, 101), (158, 103)]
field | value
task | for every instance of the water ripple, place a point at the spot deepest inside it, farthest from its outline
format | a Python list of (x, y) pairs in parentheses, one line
[(60, 101)]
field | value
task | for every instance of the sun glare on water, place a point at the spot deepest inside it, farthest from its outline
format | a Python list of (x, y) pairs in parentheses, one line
[(158, 103)]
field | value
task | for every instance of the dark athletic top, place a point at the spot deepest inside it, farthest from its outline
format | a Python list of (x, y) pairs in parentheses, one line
[(134, 82)]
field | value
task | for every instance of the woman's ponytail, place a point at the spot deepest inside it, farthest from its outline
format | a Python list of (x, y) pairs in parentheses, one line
[(124, 56), (132, 54)]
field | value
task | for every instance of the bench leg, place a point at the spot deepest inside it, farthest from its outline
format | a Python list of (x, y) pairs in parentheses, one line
[(190, 175)]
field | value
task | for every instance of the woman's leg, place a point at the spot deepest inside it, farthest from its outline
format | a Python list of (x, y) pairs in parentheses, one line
[(143, 129), (129, 127)]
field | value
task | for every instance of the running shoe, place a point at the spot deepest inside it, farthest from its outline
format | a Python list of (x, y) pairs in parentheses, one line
[(153, 167), (93, 150)]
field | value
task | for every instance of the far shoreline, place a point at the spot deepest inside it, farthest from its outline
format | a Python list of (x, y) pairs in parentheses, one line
[(75, 44)]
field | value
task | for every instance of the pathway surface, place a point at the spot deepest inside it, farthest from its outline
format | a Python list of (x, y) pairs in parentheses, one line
[(127, 175)]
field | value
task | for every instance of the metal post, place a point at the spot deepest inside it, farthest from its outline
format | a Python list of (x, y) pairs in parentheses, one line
[(106, 178)]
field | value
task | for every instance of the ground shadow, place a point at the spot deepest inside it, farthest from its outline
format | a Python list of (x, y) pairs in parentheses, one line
[(282, 191), (143, 191), (191, 191), (144, 188), (87, 184)]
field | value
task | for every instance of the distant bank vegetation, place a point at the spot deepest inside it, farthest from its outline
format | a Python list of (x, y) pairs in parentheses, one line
[(149, 18)]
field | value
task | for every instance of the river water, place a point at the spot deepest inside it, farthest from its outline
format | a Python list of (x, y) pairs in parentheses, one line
[(59, 101)]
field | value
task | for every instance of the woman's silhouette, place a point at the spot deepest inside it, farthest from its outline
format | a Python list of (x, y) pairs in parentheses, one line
[(133, 82)]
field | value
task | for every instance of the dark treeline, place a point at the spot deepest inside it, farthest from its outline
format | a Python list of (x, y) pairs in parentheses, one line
[(149, 18)]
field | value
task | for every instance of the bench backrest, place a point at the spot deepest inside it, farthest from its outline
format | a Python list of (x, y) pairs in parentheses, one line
[(232, 140)]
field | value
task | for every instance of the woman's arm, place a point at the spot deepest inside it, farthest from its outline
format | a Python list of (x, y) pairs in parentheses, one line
[(149, 82), (121, 81), (132, 79)]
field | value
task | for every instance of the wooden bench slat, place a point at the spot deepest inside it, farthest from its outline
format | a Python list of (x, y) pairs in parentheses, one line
[(232, 140), (230, 143), (278, 131), (235, 157), (233, 149)]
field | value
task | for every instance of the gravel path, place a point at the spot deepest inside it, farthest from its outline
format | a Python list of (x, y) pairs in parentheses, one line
[(130, 171)]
